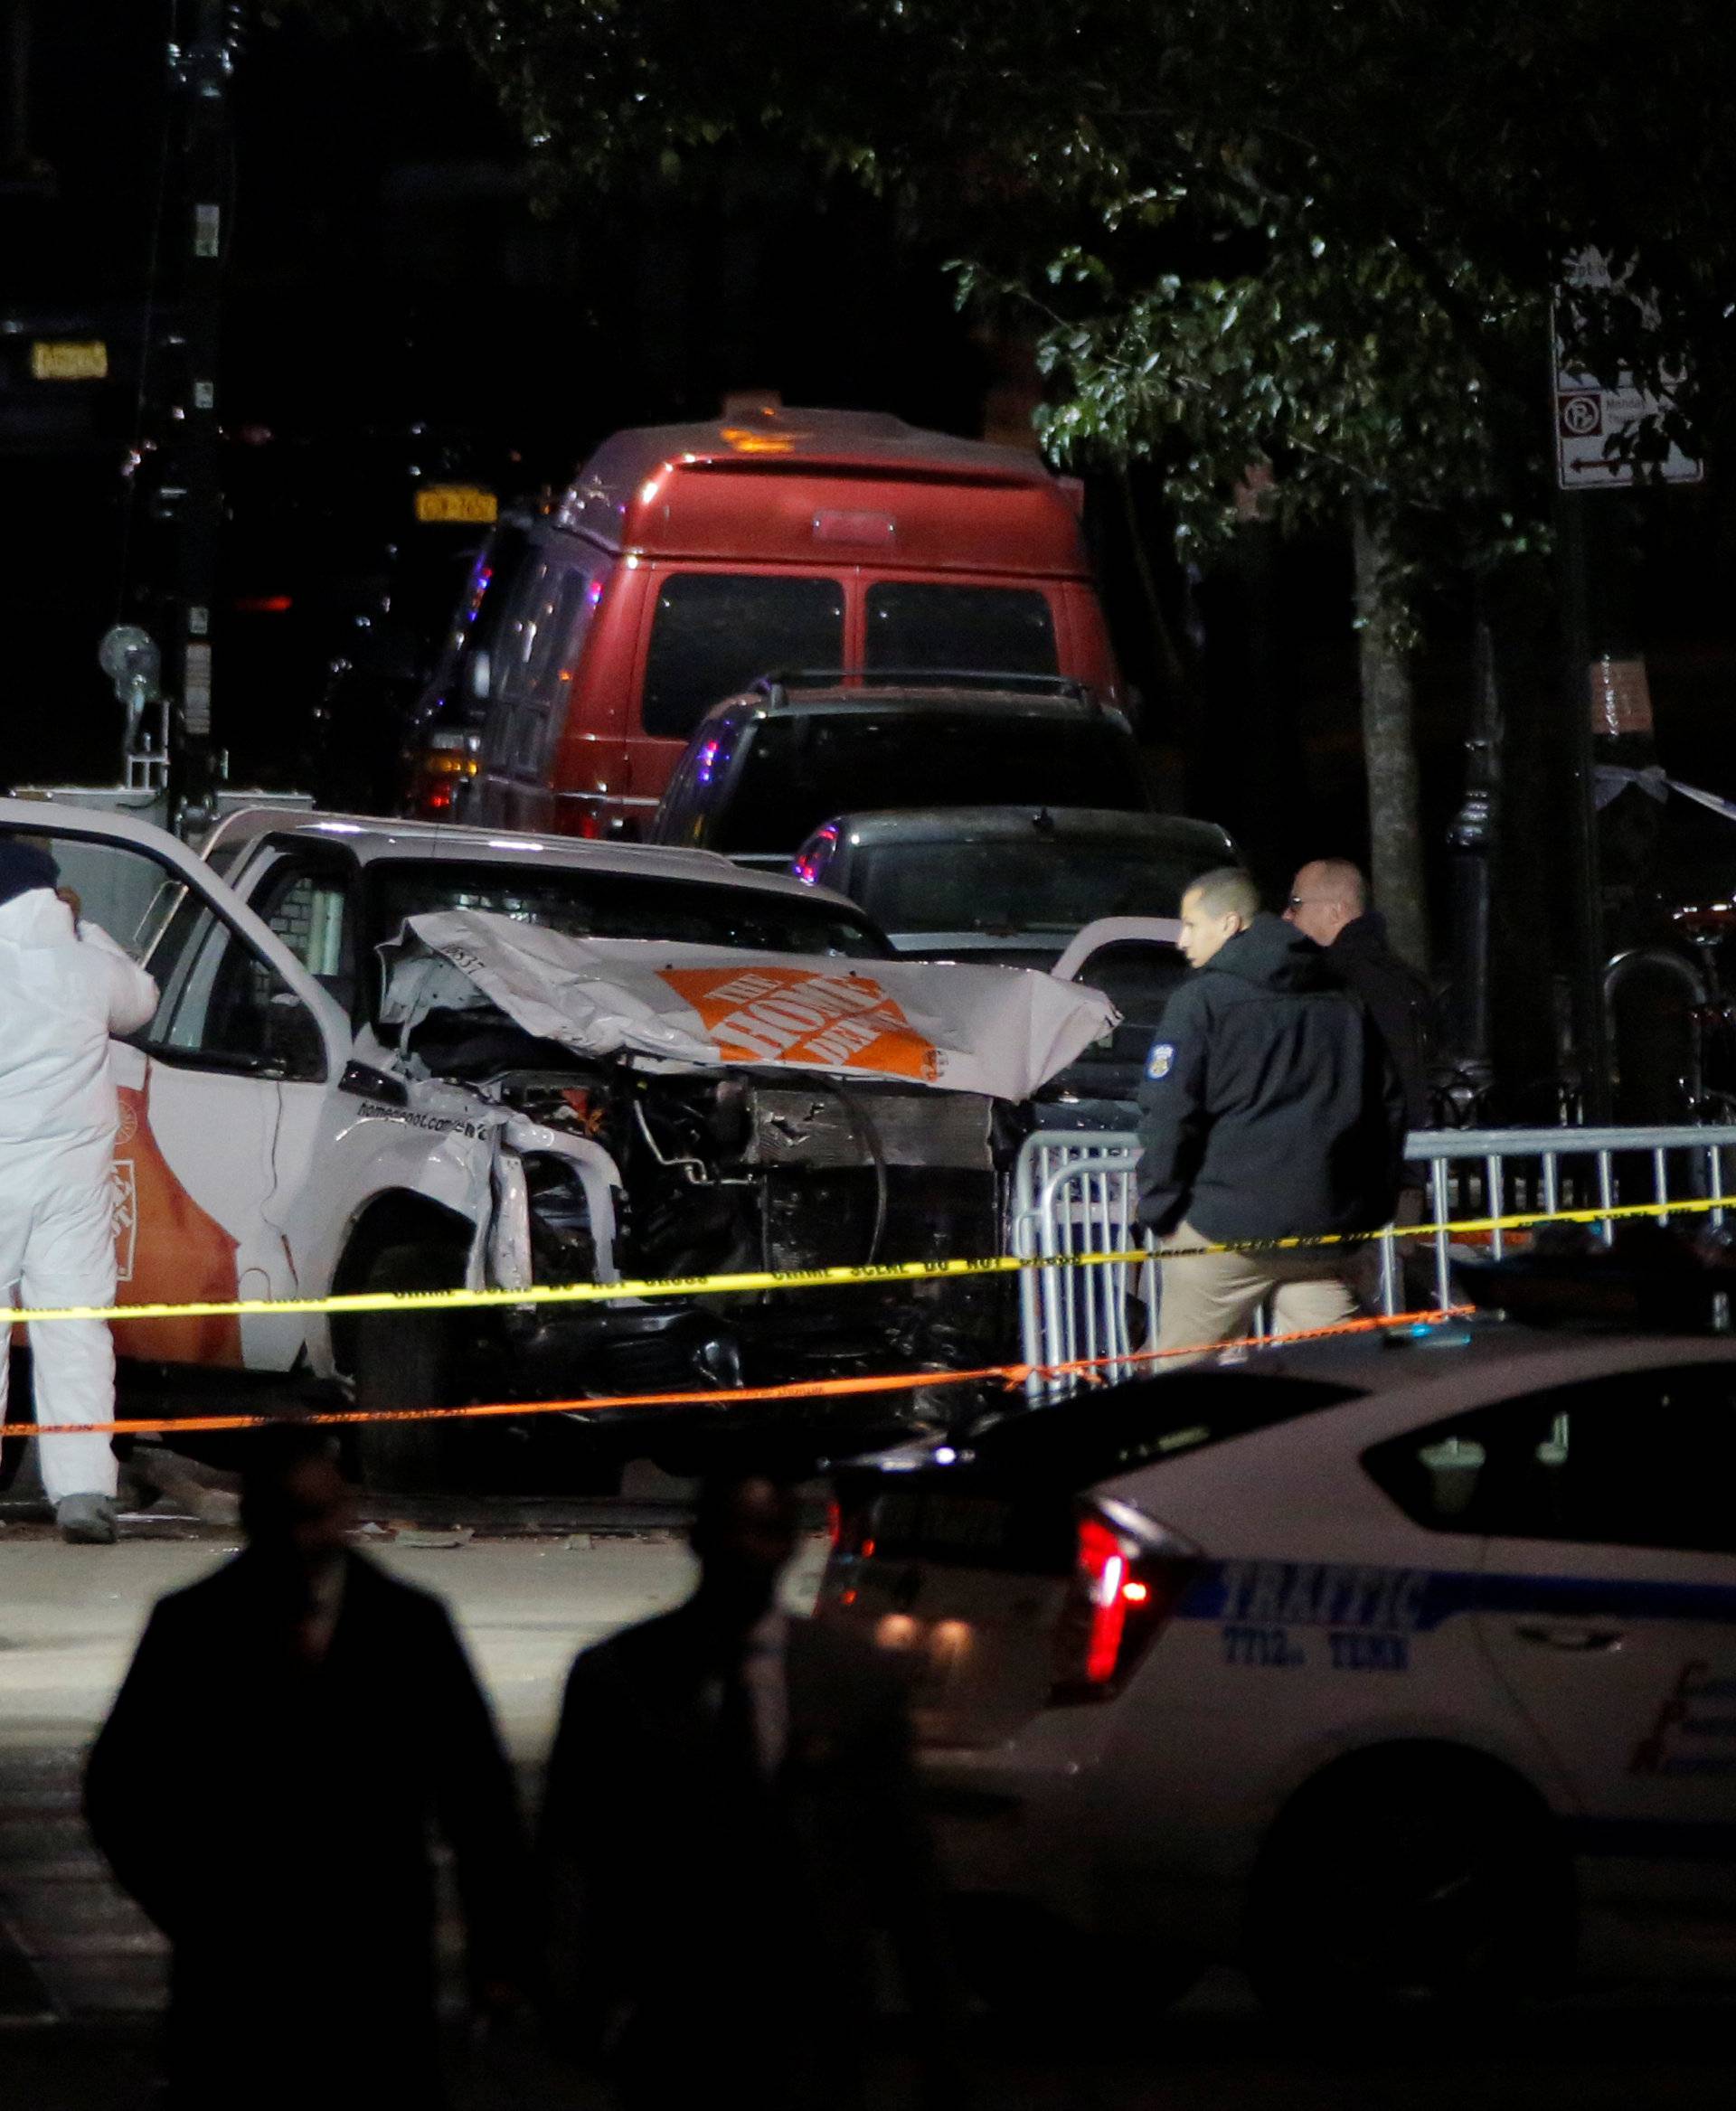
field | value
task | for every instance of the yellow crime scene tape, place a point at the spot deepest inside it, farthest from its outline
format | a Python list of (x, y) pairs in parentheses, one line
[(1007, 1374), (640, 1288)]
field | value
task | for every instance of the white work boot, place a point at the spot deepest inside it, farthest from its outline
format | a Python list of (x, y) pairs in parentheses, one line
[(86, 1520)]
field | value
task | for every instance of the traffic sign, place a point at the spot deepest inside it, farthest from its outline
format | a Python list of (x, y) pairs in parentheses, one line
[(1596, 418)]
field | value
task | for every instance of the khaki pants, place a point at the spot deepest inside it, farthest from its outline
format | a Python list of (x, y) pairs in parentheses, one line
[(1209, 1297)]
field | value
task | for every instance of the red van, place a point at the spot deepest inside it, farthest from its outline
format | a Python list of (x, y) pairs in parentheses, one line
[(687, 559)]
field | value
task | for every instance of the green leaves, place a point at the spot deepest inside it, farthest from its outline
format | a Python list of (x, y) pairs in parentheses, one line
[(1334, 371)]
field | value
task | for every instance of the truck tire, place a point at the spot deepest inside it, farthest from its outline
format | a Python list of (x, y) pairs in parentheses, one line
[(408, 1359)]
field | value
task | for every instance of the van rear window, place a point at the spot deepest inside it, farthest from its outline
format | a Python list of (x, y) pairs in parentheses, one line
[(714, 631), (1005, 630)]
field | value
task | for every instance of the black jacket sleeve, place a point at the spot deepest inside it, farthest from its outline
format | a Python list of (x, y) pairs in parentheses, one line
[(1395, 1110), (1386, 1123), (131, 1791), (580, 1831), (916, 1915), (1174, 1122), (477, 1808)]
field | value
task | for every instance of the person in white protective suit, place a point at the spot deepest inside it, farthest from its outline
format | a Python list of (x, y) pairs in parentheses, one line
[(65, 986)]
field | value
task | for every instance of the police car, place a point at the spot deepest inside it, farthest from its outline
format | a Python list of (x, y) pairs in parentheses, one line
[(1393, 1669)]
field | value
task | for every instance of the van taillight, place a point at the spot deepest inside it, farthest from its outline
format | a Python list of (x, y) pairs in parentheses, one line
[(1127, 1580)]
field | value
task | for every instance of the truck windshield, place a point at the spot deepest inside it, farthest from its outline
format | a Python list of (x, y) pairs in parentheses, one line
[(1035, 882), (619, 905), (800, 770)]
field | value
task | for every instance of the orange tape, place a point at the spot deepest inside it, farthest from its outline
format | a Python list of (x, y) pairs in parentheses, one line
[(1009, 1374)]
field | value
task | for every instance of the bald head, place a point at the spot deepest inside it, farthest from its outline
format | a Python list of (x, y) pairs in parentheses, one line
[(1325, 896), (1215, 907)]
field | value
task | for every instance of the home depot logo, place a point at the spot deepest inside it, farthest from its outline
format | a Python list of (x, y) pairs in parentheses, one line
[(125, 1203), (793, 1015), (124, 1188)]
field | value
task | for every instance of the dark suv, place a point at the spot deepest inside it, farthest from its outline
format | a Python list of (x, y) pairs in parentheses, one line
[(766, 768)]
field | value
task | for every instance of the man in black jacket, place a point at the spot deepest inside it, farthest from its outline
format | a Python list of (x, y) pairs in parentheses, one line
[(1269, 1111), (1329, 902), (730, 1813), (292, 1730)]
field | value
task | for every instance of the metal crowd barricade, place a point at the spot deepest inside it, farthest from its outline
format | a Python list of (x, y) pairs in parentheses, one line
[(1074, 1192)]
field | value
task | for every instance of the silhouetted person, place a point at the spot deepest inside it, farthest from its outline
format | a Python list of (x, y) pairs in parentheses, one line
[(730, 1813), (293, 1731)]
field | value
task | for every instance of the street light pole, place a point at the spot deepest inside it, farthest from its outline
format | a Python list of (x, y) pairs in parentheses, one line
[(1580, 537), (1473, 839), (200, 70)]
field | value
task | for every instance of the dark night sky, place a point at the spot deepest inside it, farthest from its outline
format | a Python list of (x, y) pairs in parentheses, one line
[(386, 271)]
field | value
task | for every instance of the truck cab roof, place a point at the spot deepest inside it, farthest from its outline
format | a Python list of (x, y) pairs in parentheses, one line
[(370, 838)]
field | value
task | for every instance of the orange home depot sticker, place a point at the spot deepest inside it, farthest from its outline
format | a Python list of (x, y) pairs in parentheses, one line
[(797, 1015), (168, 1251)]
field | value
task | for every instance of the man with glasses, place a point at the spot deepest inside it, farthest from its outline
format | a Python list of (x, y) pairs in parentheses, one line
[(1329, 902)]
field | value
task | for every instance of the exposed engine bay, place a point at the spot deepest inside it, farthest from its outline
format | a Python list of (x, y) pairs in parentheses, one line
[(743, 1170), (657, 1111)]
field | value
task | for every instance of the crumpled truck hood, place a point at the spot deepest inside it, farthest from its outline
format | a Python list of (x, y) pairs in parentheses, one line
[(999, 1030)]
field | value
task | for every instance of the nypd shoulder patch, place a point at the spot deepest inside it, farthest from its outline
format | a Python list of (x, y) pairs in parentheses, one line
[(1159, 1061)]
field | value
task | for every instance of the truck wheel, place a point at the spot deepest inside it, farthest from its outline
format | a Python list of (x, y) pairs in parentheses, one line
[(594, 1472), (408, 1359), (1406, 1885)]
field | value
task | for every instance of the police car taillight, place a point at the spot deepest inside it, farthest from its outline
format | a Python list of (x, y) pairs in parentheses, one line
[(1128, 1577)]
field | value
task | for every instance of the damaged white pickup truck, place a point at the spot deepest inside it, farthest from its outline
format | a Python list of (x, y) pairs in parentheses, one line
[(398, 1055)]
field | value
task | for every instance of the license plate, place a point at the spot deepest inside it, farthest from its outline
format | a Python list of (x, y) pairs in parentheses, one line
[(465, 503), (66, 360)]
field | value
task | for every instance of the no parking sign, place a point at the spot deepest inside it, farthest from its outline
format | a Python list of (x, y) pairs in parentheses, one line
[(1594, 418)]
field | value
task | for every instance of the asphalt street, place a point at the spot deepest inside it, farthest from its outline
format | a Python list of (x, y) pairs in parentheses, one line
[(81, 1974)]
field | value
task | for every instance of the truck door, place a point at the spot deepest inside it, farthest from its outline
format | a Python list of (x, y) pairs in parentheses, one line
[(218, 1094)]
